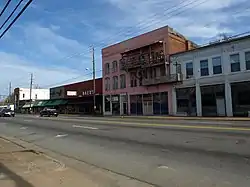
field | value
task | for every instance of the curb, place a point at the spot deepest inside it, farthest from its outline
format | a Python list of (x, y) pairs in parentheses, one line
[(183, 118), (36, 150)]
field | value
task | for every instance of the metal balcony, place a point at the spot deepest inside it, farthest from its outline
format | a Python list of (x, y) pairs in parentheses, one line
[(134, 65), (172, 78)]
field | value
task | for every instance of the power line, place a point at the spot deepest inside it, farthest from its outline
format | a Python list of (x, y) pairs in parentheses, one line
[(144, 23), (11, 14), (177, 6), (73, 78), (228, 39), (174, 9), (232, 14), (4, 8), (15, 19)]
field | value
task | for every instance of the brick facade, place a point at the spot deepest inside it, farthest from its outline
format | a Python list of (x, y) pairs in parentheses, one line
[(164, 39)]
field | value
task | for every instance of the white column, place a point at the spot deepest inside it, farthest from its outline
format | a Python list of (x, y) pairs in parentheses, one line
[(121, 103), (228, 95), (198, 100), (174, 102), (128, 104), (111, 106), (103, 105)]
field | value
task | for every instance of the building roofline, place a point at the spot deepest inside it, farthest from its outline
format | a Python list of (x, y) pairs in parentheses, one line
[(164, 27), (64, 85), (214, 44)]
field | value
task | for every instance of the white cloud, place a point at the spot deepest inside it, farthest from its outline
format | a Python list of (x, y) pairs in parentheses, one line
[(47, 43), (193, 18), (55, 27), (17, 69)]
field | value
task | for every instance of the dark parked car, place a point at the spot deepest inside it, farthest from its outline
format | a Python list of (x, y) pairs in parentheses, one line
[(5, 112), (49, 112)]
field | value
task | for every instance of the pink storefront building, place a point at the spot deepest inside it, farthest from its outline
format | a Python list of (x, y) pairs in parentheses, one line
[(136, 73)]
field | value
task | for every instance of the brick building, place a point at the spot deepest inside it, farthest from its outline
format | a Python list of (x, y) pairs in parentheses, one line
[(136, 73), (78, 98)]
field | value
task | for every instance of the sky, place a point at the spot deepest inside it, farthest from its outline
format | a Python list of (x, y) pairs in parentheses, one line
[(53, 39)]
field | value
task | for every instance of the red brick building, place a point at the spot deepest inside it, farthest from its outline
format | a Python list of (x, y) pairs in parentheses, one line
[(79, 97)]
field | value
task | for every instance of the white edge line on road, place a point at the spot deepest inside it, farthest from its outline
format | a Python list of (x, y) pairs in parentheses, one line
[(85, 127), (28, 120), (61, 135), (23, 128)]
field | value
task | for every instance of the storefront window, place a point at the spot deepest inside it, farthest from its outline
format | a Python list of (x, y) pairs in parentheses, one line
[(116, 105), (107, 103)]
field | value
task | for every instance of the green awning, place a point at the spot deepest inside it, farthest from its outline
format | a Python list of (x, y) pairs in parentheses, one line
[(56, 102), (39, 103)]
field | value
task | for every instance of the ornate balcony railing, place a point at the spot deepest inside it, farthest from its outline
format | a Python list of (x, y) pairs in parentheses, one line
[(172, 78), (141, 61)]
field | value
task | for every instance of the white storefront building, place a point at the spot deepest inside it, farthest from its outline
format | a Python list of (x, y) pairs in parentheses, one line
[(36, 94), (216, 79), (22, 96)]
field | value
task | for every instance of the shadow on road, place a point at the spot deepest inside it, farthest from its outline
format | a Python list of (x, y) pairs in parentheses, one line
[(19, 181)]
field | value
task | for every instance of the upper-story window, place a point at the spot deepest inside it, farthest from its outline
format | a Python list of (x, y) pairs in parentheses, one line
[(107, 84), (115, 83), (23, 95), (36, 96), (107, 68), (247, 57), (204, 68), (133, 80), (123, 81), (217, 69), (235, 62), (152, 72), (189, 70), (114, 66)]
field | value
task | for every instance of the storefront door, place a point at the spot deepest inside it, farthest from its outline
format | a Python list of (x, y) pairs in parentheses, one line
[(125, 109), (147, 108)]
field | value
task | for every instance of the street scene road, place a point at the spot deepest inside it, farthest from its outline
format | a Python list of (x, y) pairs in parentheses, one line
[(154, 151)]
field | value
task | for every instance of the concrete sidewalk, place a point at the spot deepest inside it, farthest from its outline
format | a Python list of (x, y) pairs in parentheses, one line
[(25, 168), (22, 167)]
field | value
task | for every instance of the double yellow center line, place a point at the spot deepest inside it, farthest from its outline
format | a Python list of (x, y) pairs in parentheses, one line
[(143, 124)]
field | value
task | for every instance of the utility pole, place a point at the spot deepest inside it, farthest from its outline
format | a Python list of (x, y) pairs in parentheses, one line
[(31, 84), (9, 92), (94, 89)]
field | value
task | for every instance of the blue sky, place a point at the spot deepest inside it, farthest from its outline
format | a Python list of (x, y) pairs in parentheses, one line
[(52, 39)]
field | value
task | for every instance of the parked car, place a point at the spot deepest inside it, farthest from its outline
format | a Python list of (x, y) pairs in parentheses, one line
[(5, 112), (49, 112)]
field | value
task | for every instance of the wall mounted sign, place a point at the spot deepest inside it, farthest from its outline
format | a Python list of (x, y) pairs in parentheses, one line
[(88, 92), (71, 93)]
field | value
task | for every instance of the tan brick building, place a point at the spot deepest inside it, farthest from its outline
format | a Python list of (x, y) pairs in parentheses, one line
[(136, 73)]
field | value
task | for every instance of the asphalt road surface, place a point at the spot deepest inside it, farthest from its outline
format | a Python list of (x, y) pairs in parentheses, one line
[(159, 152)]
